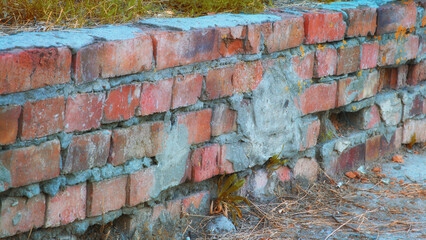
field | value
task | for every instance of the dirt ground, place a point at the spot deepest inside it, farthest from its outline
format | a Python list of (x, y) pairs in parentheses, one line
[(387, 203)]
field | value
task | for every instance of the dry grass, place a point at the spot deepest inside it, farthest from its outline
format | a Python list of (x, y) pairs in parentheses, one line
[(325, 207)]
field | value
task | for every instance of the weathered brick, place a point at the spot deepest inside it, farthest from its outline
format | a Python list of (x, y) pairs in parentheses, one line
[(232, 40), (186, 90), (87, 151), (413, 105), (198, 125), (105, 196), (22, 70), (391, 145), (9, 123), (349, 59), (390, 108), (121, 103), (370, 84), (195, 200), (398, 51), (66, 206), (303, 65), (225, 166), (309, 103), (171, 209), (218, 83), (21, 215), (156, 97), (31, 164), (350, 159), (414, 128), (369, 55), (224, 120), (394, 78), (283, 34), (205, 162), (139, 185), (393, 15), (247, 76), (283, 174), (113, 58), (372, 149), (311, 130), (416, 73), (346, 93), (362, 21), (172, 49), (325, 62), (366, 118), (306, 168), (143, 140), (84, 111), (323, 26), (42, 118)]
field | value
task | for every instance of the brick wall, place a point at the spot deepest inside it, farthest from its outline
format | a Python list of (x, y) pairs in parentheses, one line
[(101, 122)]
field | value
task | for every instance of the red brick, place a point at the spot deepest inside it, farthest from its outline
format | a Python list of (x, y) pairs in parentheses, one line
[(372, 150), (254, 32), (311, 134), (218, 83), (22, 70), (247, 76), (394, 78), (284, 34), (284, 174), (323, 26), (105, 196), (172, 49), (198, 125), (309, 98), (369, 55), (121, 103), (224, 120), (303, 65), (393, 15), (84, 111), (306, 168), (139, 185), (143, 140), (186, 90), (42, 118), (195, 200), (412, 127), (362, 21), (87, 151), (416, 107), (9, 119), (156, 97), (374, 117), (114, 58), (325, 62), (417, 73), (205, 162), (349, 59), (66, 206), (31, 164), (29, 212), (398, 52)]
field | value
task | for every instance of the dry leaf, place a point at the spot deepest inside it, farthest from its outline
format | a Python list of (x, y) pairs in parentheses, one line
[(398, 159), (350, 175), (376, 169)]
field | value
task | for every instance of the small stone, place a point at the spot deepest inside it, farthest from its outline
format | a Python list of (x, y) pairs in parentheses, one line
[(219, 225)]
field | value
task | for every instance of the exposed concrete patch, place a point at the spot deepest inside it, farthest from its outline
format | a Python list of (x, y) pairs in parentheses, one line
[(217, 20)]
